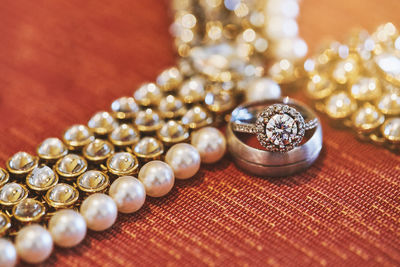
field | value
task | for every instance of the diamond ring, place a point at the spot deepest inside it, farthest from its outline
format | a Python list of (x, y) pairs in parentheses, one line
[(279, 127)]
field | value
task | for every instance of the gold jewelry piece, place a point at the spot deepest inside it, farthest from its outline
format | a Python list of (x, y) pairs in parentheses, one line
[(356, 84)]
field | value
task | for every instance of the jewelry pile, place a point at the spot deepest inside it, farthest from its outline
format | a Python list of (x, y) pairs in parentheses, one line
[(84, 179)]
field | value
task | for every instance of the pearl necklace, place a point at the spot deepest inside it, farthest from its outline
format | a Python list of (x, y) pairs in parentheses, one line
[(221, 47)]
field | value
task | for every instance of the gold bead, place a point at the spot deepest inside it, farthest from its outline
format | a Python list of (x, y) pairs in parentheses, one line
[(389, 104), (28, 211), (22, 163), (366, 89), (42, 178), (4, 177), (197, 117), (169, 79), (173, 132), (124, 108), (148, 148), (148, 94), (62, 196), (148, 121), (77, 136), (5, 223), (391, 130), (340, 106), (367, 118), (124, 135), (122, 164), (171, 107), (102, 123), (12, 193), (71, 166), (98, 151), (52, 149), (93, 182), (320, 87)]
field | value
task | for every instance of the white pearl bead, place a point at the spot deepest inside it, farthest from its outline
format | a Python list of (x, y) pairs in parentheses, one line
[(34, 244), (157, 177), (263, 88), (8, 254), (67, 227), (184, 160), (100, 212), (210, 143), (278, 27), (128, 193), (290, 48)]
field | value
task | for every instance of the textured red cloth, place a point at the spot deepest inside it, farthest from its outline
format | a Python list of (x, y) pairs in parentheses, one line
[(61, 61)]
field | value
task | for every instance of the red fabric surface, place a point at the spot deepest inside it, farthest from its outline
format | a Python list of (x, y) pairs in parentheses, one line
[(61, 61)]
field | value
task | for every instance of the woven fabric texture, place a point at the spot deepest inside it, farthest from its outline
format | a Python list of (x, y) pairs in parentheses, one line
[(61, 61)]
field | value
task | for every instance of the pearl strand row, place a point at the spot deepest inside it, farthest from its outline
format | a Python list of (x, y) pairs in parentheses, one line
[(67, 228)]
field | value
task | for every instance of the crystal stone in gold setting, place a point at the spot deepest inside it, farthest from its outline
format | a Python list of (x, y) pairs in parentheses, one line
[(42, 178), (4, 177), (320, 87), (93, 182), (78, 136), (346, 70), (171, 107), (284, 72), (62, 196), (148, 120), (389, 104), (197, 117), (22, 163), (148, 94), (52, 149), (124, 135), (193, 90), (124, 108), (122, 163), (102, 123), (12, 193), (29, 210), (173, 132), (366, 89), (5, 223), (391, 130), (220, 101), (169, 79), (389, 65), (367, 118), (340, 105), (98, 150), (71, 166), (148, 148)]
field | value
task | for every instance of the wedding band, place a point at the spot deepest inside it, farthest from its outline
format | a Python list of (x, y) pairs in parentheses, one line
[(268, 163)]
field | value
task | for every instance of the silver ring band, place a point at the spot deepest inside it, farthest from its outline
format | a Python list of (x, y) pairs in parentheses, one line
[(266, 163)]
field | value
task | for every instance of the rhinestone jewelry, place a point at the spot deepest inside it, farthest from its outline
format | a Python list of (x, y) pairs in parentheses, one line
[(102, 123), (98, 151), (171, 107), (29, 210), (12, 193), (42, 178), (124, 108), (5, 223), (124, 135), (148, 121), (4, 177), (93, 182), (71, 166), (77, 136), (62, 196), (52, 149), (197, 117), (173, 132), (122, 163), (22, 163), (148, 94), (148, 148)]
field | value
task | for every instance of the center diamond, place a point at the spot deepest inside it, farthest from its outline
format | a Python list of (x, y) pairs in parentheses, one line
[(281, 129)]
